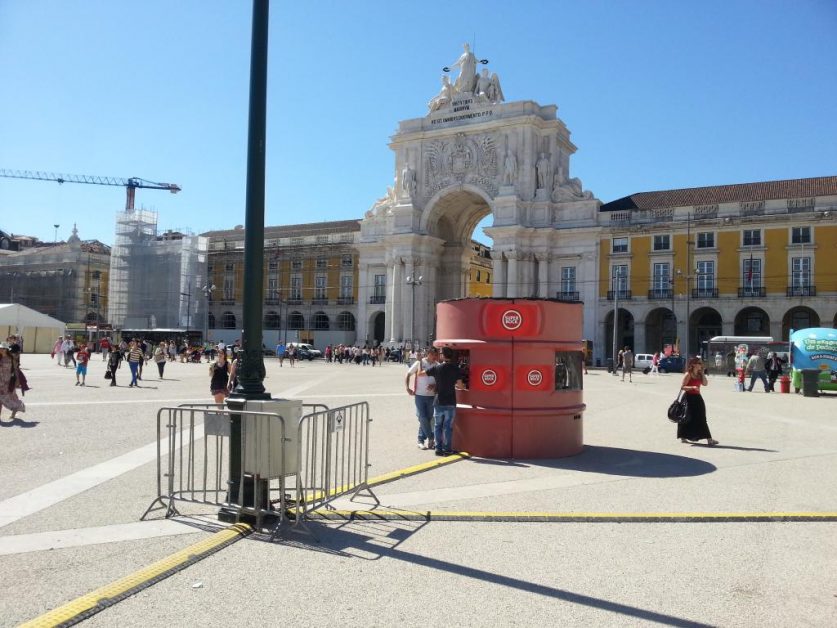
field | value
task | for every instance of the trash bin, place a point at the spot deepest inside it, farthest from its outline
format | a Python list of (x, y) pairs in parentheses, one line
[(610, 365), (598, 362), (810, 383), (784, 384)]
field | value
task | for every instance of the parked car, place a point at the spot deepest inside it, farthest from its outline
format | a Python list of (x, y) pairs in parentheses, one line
[(642, 362), (305, 351), (672, 364)]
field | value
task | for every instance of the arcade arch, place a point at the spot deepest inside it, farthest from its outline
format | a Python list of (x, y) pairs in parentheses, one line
[(752, 321), (705, 323), (660, 329), (624, 332), (799, 317)]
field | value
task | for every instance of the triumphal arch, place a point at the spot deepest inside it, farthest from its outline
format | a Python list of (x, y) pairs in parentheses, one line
[(472, 155)]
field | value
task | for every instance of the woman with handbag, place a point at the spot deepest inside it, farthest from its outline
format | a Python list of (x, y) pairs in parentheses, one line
[(694, 428)]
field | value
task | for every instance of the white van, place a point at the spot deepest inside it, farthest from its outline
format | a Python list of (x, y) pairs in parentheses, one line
[(643, 361)]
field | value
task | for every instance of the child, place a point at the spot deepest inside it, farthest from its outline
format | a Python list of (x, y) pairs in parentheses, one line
[(82, 358)]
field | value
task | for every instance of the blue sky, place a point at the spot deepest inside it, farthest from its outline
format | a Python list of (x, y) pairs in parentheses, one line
[(657, 95)]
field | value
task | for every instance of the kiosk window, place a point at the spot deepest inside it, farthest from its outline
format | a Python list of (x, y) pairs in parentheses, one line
[(568, 370)]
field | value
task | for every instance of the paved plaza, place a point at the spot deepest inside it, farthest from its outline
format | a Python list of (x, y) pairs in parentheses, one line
[(79, 470)]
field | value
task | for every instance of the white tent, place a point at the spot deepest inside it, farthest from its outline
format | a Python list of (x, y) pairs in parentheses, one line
[(39, 331)]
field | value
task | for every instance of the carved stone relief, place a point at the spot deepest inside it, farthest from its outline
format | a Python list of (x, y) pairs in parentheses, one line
[(462, 159)]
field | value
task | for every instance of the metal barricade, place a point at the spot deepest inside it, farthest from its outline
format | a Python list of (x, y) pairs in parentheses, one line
[(333, 457), (190, 473)]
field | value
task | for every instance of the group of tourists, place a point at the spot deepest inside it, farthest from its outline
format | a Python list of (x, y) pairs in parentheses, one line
[(12, 378)]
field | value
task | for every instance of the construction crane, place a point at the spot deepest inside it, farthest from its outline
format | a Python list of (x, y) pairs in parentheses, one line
[(130, 185)]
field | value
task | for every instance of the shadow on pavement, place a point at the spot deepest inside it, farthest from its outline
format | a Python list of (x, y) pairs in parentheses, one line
[(19, 423), (381, 540), (629, 462), (737, 448)]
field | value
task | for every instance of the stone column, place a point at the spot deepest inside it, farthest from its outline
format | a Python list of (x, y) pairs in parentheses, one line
[(639, 336), (362, 309), (499, 270), (407, 299), (397, 301), (390, 300), (513, 278), (429, 291), (543, 275)]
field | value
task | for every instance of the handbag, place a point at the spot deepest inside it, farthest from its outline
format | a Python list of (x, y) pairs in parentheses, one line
[(108, 374), (677, 411)]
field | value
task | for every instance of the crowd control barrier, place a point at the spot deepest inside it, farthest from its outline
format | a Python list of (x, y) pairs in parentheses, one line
[(289, 465), (524, 396)]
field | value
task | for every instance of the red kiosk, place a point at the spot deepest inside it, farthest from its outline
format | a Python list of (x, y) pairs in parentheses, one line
[(525, 389)]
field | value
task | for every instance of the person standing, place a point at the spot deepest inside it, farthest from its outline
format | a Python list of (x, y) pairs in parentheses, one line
[(695, 427), (627, 364), (219, 377), (8, 383), (755, 367), (83, 357), (424, 393), (57, 350), (280, 353), (114, 362), (135, 358), (448, 377), (291, 354), (67, 348), (104, 345), (160, 358)]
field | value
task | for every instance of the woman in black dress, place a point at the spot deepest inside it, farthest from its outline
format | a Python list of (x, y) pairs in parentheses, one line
[(695, 427)]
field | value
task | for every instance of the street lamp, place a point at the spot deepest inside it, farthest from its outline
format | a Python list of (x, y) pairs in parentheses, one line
[(207, 292), (413, 282), (55, 238), (97, 275)]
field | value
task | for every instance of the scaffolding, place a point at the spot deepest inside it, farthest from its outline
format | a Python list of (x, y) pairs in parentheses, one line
[(155, 279)]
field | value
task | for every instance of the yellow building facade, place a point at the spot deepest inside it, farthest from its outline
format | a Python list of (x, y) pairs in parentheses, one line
[(746, 260)]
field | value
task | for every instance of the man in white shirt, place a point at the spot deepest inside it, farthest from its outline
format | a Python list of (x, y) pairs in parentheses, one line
[(424, 392)]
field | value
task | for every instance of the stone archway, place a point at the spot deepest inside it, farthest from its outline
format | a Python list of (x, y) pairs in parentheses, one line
[(752, 321), (705, 323), (451, 217), (799, 317), (660, 329), (378, 327)]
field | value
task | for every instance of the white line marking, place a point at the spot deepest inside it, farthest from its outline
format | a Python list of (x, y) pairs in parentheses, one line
[(60, 539), (46, 495)]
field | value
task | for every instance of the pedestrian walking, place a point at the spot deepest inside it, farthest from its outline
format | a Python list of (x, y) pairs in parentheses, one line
[(756, 369), (160, 358), (57, 350), (448, 377), (774, 369), (423, 391), (291, 354), (114, 362), (655, 364), (104, 346), (627, 364), (219, 377), (83, 357), (135, 358), (9, 382), (695, 427), (67, 348)]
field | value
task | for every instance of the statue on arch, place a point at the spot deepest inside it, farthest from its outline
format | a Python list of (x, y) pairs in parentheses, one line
[(444, 97), (509, 167), (495, 92), (467, 64), (408, 180), (544, 172)]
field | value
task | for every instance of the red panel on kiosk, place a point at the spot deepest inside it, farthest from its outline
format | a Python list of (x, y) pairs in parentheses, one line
[(533, 377), (511, 319), (490, 377)]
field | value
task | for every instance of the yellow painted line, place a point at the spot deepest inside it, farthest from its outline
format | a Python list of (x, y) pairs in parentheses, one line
[(392, 476), (383, 514), (87, 605)]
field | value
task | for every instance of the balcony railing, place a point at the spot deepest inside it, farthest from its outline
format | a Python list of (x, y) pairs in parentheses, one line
[(377, 299), (319, 301), (272, 301), (567, 296), (294, 301), (802, 291), (660, 293), (752, 291), (705, 293), (623, 295), (226, 302), (345, 300)]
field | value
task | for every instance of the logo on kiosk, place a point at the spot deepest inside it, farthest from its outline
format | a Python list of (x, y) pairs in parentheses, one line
[(489, 377), (512, 320), (534, 377)]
